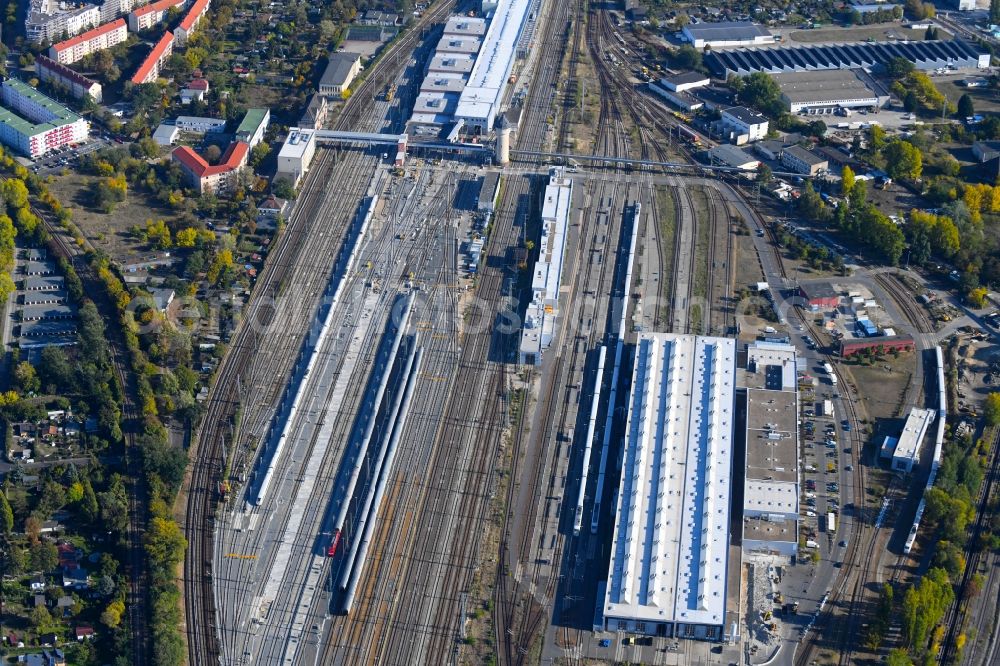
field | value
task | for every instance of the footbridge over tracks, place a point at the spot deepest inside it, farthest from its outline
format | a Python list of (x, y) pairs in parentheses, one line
[(326, 137), (603, 160)]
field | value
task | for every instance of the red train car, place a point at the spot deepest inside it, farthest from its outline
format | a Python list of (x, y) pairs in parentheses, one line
[(332, 550)]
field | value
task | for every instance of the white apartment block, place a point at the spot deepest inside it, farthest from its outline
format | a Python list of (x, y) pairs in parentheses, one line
[(79, 85), (146, 17), (98, 39), (33, 124), (48, 22)]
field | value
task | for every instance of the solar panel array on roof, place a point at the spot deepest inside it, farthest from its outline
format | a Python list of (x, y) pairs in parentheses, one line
[(925, 55)]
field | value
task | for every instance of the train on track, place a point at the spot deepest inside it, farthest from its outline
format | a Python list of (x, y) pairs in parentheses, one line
[(331, 550)]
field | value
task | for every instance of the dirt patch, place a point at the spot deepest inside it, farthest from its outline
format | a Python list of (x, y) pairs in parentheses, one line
[(883, 384), (107, 231), (748, 270)]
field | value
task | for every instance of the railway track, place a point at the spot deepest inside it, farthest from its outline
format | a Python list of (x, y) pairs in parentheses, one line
[(849, 590), (209, 448), (890, 282), (138, 593), (956, 616)]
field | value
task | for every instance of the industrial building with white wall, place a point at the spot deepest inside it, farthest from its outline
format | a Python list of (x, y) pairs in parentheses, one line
[(542, 315), (479, 56), (726, 34), (669, 573), (925, 56), (479, 103), (771, 482), (296, 154), (826, 91), (904, 451), (744, 125)]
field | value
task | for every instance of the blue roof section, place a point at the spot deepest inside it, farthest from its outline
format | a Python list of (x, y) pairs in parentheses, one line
[(924, 54)]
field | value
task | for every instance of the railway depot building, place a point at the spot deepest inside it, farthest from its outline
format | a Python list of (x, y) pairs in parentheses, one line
[(726, 34), (477, 56), (673, 571), (925, 55), (542, 313), (771, 484), (904, 451), (340, 71), (744, 125), (828, 91)]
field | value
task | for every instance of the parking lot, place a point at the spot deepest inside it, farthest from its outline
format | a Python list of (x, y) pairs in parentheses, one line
[(66, 156)]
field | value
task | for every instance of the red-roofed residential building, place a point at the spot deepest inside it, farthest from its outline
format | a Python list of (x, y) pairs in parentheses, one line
[(195, 90), (79, 85), (146, 17), (100, 38), (150, 67), (212, 178), (190, 21)]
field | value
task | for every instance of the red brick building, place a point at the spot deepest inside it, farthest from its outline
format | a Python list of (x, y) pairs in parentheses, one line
[(883, 344)]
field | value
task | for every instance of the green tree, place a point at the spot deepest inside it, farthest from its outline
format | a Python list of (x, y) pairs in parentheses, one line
[(761, 92), (811, 205), (817, 128), (898, 657), (977, 297), (6, 514), (899, 68), (88, 505), (688, 57), (764, 174), (995, 11), (259, 154), (15, 193), (282, 187), (914, 9), (43, 556), (112, 615), (966, 108), (846, 180), (991, 410), (26, 377), (903, 160), (40, 618), (876, 136)]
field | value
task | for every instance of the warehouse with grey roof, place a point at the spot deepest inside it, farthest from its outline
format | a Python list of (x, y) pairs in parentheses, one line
[(825, 91), (339, 73), (925, 55), (726, 34)]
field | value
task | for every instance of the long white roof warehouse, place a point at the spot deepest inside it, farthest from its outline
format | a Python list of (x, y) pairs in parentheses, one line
[(480, 101), (668, 571)]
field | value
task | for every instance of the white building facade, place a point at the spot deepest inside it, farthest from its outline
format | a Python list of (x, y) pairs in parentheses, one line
[(541, 317), (669, 565), (33, 124)]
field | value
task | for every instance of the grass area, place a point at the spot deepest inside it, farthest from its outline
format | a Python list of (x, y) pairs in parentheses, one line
[(583, 130), (701, 242), (983, 99), (748, 270), (880, 32), (882, 386), (666, 212), (108, 232)]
